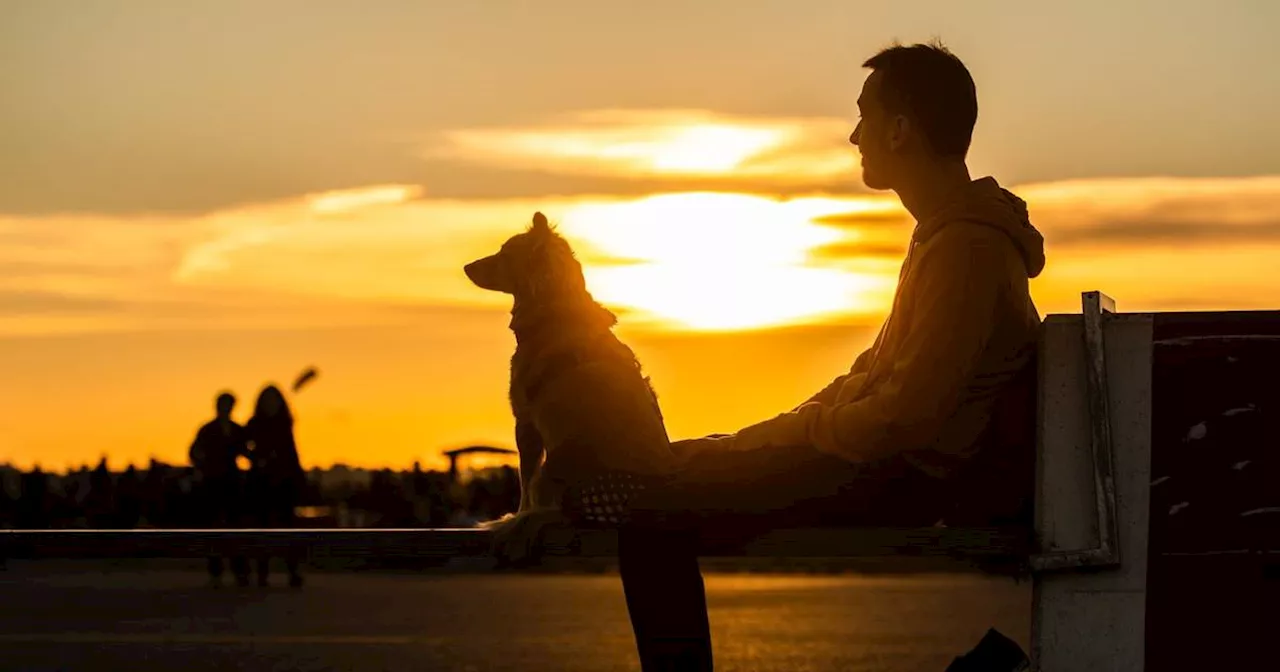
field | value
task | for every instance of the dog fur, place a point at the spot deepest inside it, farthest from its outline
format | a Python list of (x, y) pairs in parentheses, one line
[(582, 406)]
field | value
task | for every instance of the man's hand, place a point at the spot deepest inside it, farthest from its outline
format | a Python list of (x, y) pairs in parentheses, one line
[(787, 430), (687, 448)]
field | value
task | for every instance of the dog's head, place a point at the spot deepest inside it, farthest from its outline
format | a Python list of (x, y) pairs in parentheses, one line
[(537, 265)]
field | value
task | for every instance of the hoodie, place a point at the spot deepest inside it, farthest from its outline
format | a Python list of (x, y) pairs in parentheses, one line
[(955, 355)]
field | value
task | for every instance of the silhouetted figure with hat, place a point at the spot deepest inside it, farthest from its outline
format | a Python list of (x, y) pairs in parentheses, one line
[(219, 482), (275, 473)]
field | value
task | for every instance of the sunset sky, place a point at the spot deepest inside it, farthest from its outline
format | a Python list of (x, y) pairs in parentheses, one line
[(198, 196)]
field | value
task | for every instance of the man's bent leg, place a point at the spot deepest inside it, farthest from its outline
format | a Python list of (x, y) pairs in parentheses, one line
[(739, 495), (800, 487), (666, 598)]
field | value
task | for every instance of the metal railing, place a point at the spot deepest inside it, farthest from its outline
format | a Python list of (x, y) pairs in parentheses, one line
[(444, 543)]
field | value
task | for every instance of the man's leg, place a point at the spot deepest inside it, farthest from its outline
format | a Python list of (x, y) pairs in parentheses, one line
[(234, 512), (292, 554), (209, 501), (777, 488), (666, 598), (265, 520), (737, 496), (215, 569)]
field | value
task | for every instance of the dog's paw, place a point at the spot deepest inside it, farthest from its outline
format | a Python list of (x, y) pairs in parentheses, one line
[(497, 523), (517, 540)]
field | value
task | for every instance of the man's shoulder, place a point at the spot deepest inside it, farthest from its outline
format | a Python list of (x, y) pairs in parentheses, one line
[(962, 244), (214, 428), (967, 231)]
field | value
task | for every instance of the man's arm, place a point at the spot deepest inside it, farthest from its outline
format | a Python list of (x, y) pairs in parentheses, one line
[(239, 442), (953, 319), (196, 452), (827, 394)]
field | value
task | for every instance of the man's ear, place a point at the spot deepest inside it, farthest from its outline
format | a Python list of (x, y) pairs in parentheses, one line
[(900, 130), (540, 224)]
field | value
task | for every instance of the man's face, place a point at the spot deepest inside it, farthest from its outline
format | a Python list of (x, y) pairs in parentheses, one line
[(876, 136)]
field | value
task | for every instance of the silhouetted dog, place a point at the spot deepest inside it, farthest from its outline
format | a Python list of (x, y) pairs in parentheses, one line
[(577, 392)]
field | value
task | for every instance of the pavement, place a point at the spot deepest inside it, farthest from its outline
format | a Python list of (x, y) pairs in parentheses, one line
[(69, 615)]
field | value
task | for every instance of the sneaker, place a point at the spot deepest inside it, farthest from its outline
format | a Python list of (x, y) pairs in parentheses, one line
[(995, 653)]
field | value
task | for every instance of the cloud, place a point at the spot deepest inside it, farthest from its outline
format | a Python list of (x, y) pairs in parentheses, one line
[(1130, 232), (890, 215), (248, 228), (15, 269), (37, 302), (859, 250), (685, 144), (353, 200), (387, 254), (1121, 211), (1086, 216)]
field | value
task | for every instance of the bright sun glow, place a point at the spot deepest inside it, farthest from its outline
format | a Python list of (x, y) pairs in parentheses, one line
[(716, 261)]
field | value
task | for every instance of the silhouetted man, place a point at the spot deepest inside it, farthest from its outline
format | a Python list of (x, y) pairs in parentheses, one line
[(213, 455), (933, 421)]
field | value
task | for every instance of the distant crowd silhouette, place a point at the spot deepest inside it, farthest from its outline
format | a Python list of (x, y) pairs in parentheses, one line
[(213, 491)]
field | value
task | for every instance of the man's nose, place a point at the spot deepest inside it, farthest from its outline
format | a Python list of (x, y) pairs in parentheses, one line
[(855, 135)]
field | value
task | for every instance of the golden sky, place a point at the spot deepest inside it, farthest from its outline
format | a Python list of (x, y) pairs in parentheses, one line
[(218, 196)]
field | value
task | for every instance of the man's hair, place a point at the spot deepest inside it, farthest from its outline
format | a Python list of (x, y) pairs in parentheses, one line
[(932, 88)]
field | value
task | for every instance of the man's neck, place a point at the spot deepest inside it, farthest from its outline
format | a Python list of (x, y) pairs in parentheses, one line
[(931, 187)]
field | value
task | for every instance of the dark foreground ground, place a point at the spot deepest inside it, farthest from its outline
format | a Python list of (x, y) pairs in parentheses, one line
[(79, 616)]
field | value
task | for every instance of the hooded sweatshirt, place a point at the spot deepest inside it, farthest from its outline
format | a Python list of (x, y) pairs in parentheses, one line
[(955, 351)]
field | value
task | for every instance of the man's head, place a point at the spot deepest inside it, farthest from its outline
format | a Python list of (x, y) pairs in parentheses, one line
[(224, 403), (917, 107)]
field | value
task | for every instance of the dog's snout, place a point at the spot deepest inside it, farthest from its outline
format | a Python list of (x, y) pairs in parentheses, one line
[(487, 274), (476, 271)]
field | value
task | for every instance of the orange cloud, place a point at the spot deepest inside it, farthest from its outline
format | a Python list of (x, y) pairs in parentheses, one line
[(664, 143), (701, 261)]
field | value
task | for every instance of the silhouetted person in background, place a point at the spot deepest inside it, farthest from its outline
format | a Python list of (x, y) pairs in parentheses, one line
[(129, 498), (936, 413), (100, 505), (219, 483), (34, 503), (275, 473)]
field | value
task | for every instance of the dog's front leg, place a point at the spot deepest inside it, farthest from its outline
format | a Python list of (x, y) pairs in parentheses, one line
[(531, 449)]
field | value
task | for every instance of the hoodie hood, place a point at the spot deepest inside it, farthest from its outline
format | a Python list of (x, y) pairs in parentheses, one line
[(985, 202)]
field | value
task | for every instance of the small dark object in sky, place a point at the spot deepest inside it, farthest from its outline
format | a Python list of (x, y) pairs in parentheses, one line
[(995, 653), (308, 375)]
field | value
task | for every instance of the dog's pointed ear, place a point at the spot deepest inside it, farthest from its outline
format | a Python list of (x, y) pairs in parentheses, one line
[(540, 224)]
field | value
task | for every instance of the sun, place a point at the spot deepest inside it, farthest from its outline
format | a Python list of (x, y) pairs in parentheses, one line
[(717, 262)]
